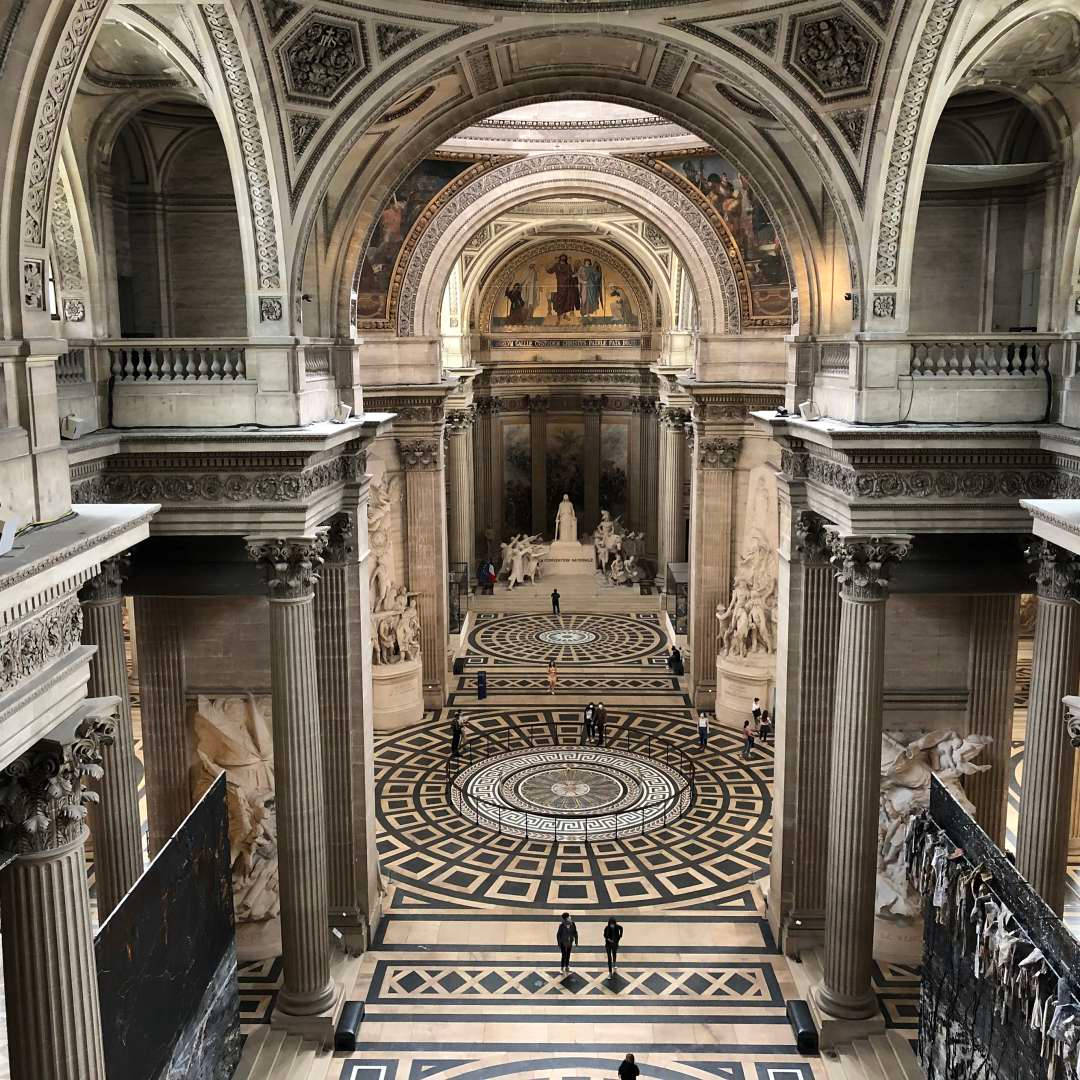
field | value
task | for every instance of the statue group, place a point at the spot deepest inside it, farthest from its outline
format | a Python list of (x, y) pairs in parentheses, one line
[(395, 627), (616, 555), (748, 620), (522, 558)]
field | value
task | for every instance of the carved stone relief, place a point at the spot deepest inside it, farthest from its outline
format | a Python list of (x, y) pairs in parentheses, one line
[(833, 52), (321, 56), (762, 33), (34, 643), (34, 284)]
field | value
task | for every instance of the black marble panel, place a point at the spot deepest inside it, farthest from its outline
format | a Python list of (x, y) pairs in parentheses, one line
[(166, 960)]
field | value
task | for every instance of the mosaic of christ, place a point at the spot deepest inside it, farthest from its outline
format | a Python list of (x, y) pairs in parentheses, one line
[(565, 289)]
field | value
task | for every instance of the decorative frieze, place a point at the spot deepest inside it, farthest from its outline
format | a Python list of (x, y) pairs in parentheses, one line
[(863, 563), (1056, 571), (718, 453), (288, 565), (29, 646), (419, 453), (586, 376)]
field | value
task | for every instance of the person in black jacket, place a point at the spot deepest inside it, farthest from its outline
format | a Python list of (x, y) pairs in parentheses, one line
[(566, 938), (456, 729), (612, 937), (628, 1070), (600, 723)]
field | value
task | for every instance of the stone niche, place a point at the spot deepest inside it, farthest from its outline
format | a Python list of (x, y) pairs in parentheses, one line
[(232, 734)]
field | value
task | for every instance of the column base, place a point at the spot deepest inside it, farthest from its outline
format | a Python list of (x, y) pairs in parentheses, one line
[(833, 1030), (352, 925), (802, 932), (318, 1026)]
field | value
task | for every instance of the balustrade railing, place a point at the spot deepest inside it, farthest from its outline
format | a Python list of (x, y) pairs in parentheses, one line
[(177, 363), (835, 357), (71, 367), (951, 357), (317, 360)]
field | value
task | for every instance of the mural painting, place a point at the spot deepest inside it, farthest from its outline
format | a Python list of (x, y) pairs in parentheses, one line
[(731, 195), (614, 441), (517, 478), (396, 218), (565, 464)]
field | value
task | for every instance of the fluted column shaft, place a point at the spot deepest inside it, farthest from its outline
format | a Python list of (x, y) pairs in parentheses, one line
[(1042, 838), (300, 798), (651, 464), (342, 627), (995, 625), (164, 728), (635, 471), (115, 823), (459, 504), (483, 467), (538, 450), (672, 444), (593, 407), (855, 775)]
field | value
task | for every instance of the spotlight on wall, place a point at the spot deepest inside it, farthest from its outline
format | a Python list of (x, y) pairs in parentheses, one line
[(847, 296), (306, 298), (73, 427)]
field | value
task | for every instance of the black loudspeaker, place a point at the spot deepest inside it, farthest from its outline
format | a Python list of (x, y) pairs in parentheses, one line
[(481, 685), (802, 1023), (349, 1024), (459, 665)]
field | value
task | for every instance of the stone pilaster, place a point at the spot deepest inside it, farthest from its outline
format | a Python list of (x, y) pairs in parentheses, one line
[(342, 631), (1042, 838), (650, 459), (164, 725), (808, 629), (483, 471), (538, 451), (592, 407), (50, 978), (995, 625), (115, 824), (712, 494), (425, 555), (288, 566), (672, 466), (863, 565), (459, 504)]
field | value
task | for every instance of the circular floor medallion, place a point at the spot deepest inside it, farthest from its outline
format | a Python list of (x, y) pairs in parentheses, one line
[(566, 637), (534, 638)]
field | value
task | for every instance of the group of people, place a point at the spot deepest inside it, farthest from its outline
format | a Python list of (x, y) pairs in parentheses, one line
[(594, 723), (566, 937), (758, 726)]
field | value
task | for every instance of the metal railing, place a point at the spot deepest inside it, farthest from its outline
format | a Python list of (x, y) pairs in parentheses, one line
[(485, 745)]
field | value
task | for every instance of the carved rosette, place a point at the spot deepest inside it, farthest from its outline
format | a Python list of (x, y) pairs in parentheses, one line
[(106, 587), (718, 453), (864, 563), (1072, 720), (812, 537), (42, 797), (1056, 573), (339, 539), (419, 453), (288, 565)]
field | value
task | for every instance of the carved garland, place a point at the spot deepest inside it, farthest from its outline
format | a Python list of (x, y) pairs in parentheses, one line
[(28, 647), (250, 131), (462, 199)]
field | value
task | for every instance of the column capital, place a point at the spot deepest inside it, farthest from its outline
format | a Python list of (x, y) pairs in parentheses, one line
[(288, 564), (458, 421), (1056, 573), (42, 797), (339, 539), (863, 563), (718, 453), (106, 585), (419, 453), (1072, 719), (487, 405), (592, 404), (538, 403), (673, 418), (812, 535)]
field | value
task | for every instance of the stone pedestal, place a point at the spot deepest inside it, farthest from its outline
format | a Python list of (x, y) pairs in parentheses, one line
[(569, 558), (740, 679), (258, 940), (398, 695)]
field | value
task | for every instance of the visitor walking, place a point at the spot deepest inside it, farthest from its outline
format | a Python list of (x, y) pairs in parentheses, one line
[(588, 725), (612, 937), (675, 661), (755, 711), (628, 1070), (765, 727), (600, 720), (566, 938), (702, 729), (748, 736), (456, 729), (552, 676), (554, 601)]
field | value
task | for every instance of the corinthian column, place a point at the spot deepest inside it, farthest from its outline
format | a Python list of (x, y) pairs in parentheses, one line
[(592, 407), (459, 504), (712, 492), (1042, 838), (672, 453), (50, 978), (343, 655), (115, 824), (425, 556), (995, 624), (863, 565), (538, 448), (288, 566)]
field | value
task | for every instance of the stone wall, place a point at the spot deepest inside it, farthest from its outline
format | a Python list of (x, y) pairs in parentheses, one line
[(226, 643)]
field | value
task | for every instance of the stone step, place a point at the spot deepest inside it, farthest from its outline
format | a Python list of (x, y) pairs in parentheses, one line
[(906, 1058), (285, 1065), (260, 1052)]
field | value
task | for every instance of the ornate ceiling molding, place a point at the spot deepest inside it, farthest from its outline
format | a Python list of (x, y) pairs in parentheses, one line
[(64, 241)]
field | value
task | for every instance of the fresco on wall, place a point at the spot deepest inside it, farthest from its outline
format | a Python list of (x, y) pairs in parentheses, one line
[(517, 478), (397, 217), (565, 463), (732, 196), (613, 464), (567, 289)]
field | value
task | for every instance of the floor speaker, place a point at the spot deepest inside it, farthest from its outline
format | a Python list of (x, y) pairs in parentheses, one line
[(802, 1023), (348, 1026)]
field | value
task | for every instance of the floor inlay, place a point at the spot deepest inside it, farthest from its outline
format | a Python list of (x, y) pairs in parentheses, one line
[(567, 639)]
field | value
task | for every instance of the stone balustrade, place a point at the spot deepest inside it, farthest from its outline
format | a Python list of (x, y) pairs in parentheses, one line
[(164, 361), (1018, 355), (71, 367)]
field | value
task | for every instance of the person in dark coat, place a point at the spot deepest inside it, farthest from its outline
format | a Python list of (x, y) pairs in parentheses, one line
[(628, 1070), (456, 729), (600, 720), (554, 601), (675, 661), (566, 938), (612, 937), (588, 723), (748, 736)]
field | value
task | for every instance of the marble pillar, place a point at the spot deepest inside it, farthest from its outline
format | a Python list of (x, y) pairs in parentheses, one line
[(712, 495), (808, 619), (538, 447), (635, 466), (1042, 838), (289, 568), (483, 468), (425, 555), (114, 819), (166, 750), (343, 658), (459, 503), (651, 465), (592, 407), (863, 565), (671, 467), (995, 626), (50, 977)]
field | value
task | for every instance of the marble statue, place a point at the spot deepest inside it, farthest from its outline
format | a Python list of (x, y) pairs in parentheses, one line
[(232, 737), (907, 763), (566, 521), (395, 632), (748, 621), (524, 556), (605, 540)]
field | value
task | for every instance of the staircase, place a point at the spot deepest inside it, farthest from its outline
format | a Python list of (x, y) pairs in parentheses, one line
[(879, 1057), (274, 1055), (588, 593)]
